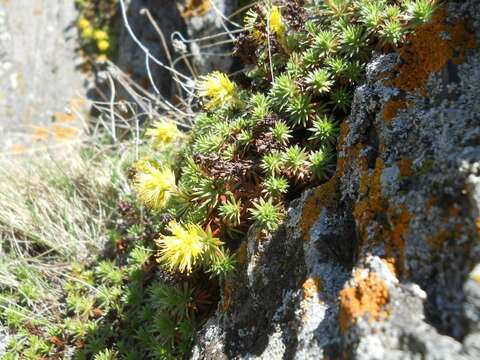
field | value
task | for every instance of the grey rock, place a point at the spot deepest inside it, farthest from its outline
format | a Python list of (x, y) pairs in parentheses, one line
[(37, 65), (382, 261)]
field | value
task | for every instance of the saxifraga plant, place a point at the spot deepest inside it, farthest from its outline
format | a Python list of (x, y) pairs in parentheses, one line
[(258, 144), (252, 148), (307, 76)]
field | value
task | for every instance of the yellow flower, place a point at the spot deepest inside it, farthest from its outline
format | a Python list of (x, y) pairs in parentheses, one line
[(186, 247), (103, 45), (84, 23), (163, 132), (100, 35), (154, 185), (275, 21), (218, 88), (87, 33)]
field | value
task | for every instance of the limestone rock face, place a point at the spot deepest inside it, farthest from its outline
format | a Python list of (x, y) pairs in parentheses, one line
[(381, 261), (38, 73)]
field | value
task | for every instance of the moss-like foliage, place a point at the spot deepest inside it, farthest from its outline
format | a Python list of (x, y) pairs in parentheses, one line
[(259, 141), (120, 306)]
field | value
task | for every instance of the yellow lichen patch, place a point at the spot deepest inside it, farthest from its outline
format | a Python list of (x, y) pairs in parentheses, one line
[(405, 166), (477, 224), (429, 49), (323, 196), (242, 255), (391, 109), (311, 287), (368, 296), (196, 8)]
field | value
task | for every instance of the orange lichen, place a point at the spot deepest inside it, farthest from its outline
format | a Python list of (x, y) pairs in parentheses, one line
[(63, 117), (463, 40), (311, 287), (376, 186), (368, 296), (64, 132), (196, 8), (391, 109), (40, 134), (369, 214), (344, 130), (323, 196), (405, 166), (227, 297), (439, 238), (371, 203), (242, 255), (453, 211), (326, 195), (396, 244), (451, 227), (477, 224), (18, 149), (428, 50), (390, 262)]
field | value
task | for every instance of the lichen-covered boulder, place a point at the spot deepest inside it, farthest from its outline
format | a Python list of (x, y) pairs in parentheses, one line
[(380, 262)]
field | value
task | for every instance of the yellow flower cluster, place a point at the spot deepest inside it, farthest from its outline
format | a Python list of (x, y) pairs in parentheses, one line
[(217, 87), (89, 33), (275, 21), (186, 247), (101, 37), (154, 185), (163, 132)]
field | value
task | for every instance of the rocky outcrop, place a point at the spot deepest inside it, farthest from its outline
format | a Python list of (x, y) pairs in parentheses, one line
[(380, 262)]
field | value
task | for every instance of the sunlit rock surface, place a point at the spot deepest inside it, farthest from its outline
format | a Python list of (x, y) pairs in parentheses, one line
[(380, 262)]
